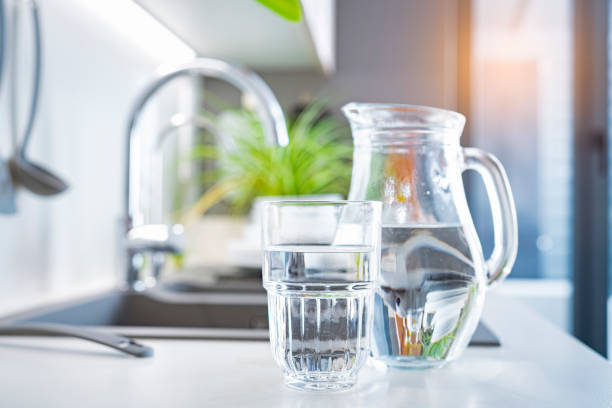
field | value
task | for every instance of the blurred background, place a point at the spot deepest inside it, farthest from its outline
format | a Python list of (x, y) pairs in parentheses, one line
[(532, 77)]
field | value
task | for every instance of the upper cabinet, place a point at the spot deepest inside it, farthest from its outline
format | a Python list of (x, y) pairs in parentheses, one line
[(246, 32)]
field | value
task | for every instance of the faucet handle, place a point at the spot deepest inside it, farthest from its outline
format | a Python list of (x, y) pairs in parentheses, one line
[(156, 238)]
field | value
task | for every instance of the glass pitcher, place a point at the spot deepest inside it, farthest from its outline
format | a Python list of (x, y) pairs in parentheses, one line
[(433, 273)]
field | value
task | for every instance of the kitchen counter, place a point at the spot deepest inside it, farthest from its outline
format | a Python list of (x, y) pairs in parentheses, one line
[(537, 365)]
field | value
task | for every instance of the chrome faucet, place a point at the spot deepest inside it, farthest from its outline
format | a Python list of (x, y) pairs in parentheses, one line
[(162, 239)]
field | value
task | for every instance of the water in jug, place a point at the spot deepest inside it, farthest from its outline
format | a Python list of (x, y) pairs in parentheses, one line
[(433, 273)]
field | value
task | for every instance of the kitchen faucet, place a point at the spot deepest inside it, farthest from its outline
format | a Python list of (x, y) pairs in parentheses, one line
[(160, 239)]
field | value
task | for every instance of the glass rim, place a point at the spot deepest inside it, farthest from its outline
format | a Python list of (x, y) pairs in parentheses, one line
[(399, 106), (415, 119), (321, 202)]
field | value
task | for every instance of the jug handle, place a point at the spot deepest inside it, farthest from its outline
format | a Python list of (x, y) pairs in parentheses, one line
[(505, 229)]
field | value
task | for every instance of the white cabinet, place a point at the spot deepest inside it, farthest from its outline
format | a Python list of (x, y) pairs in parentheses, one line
[(246, 32)]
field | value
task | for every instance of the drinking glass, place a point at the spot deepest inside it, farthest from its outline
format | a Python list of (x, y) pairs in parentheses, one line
[(321, 263)]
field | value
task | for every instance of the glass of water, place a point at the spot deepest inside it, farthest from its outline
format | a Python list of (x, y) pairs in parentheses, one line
[(321, 263)]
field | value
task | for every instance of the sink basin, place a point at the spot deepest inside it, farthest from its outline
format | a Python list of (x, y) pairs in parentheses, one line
[(179, 310), (162, 314)]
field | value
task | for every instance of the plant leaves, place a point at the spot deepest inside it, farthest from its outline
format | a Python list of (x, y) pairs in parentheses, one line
[(288, 9), (317, 159)]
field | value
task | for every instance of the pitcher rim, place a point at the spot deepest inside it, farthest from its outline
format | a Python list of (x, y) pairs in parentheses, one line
[(455, 121)]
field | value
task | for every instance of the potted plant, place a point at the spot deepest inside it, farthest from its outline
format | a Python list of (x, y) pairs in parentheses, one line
[(317, 161)]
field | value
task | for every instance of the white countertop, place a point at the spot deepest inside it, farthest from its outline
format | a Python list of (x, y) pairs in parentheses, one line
[(537, 366)]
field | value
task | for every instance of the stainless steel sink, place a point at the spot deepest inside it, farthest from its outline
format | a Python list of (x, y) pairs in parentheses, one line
[(233, 309), (162, 314)]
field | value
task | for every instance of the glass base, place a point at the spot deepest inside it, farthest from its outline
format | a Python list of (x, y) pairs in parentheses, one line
[(319, 383)]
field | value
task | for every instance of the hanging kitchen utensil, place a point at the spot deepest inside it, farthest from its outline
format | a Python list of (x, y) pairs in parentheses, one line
[(7, 197), (33, 177)]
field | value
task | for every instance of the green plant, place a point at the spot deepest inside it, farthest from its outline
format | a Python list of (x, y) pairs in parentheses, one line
[(288, 9), (317, 160)]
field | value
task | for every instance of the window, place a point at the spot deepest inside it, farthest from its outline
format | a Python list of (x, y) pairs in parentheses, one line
[(521, 110)]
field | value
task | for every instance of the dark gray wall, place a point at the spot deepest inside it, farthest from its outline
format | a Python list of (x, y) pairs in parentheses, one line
[(401, 51)]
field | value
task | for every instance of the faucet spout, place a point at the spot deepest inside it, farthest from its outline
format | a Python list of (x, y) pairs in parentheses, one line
[(267, 109)]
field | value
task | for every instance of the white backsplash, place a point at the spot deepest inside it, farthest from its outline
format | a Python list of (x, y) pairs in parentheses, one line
[(97, 56)]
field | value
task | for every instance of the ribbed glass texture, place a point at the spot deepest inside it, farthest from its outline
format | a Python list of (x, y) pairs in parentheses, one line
[(319, 338)]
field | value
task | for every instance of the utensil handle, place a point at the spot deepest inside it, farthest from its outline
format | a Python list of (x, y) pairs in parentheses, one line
[(505, 228), (14, 77), (36, 76), (123, 344), (2, 40)]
